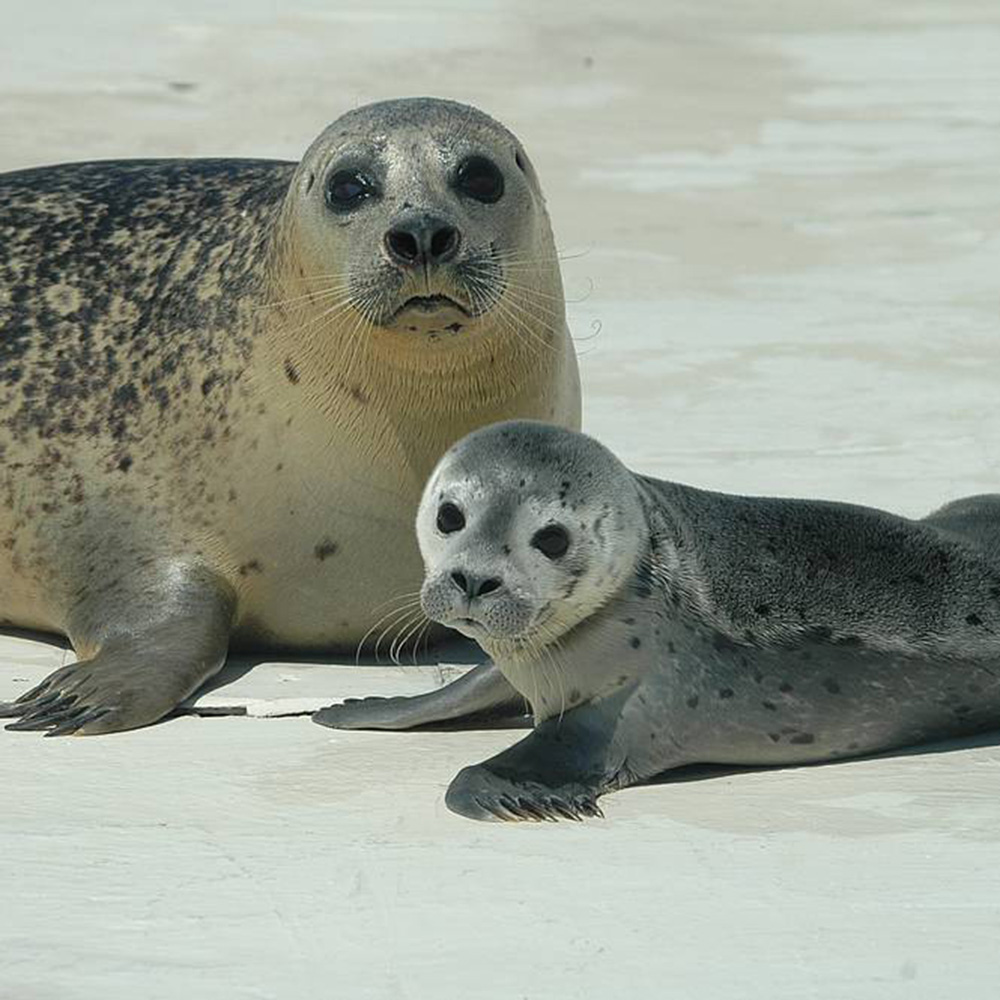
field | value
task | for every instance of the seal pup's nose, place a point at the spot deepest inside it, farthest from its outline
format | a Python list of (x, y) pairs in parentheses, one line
[(421, 241), (472, 587)]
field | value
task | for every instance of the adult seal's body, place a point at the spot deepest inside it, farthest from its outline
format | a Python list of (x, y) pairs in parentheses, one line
[(224, 382), (652, 625)]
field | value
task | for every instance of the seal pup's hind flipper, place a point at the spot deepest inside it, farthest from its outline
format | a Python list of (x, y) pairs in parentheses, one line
[(155, 637), (482, 693)]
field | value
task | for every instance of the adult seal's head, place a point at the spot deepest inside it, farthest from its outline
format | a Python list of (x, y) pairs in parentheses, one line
[(525, 534), (423, 219)]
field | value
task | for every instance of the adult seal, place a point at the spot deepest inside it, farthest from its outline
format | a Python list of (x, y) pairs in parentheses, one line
[(652, 625), (224, 382)]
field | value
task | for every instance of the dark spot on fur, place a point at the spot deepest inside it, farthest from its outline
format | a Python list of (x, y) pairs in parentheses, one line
[(775, 737), (692, 702), (831, 685), (671, 648), (125, 463), (769, 705), (628, 621), (974, 619), (291, 372), (506, 550), (635, 642), (622, 679), (784, 687), (253, 566), (325, 549), (762, 609), (574, 696), (209, 382), (725, 692), (803, 738), (359, 394)]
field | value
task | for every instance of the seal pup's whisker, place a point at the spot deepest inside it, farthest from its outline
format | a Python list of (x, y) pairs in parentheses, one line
[(421, 622), (396, 629), (406, 606)]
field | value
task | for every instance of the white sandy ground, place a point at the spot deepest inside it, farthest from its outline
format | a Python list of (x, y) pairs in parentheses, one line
[(785, 220)]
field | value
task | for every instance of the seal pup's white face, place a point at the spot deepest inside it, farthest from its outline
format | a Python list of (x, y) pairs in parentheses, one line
[(433, 215), (525, 530)]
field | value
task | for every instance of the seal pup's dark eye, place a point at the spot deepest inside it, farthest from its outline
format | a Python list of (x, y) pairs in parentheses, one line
[(551, 541), (450, 519), (481, 179), (347, 189)]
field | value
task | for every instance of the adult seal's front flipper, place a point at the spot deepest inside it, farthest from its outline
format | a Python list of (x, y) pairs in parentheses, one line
[(483, 693), (150, 640)]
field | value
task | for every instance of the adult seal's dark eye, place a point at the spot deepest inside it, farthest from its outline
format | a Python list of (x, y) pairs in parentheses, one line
[(480, 179), (552, 541), (347, 189), (450, 519)]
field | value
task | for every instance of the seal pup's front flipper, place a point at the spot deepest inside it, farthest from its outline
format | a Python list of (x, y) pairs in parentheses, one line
[(558, 772), (483, 693), (147, 643), (568, 762)]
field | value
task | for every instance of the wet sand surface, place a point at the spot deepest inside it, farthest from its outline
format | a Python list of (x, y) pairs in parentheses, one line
[(781, 241)]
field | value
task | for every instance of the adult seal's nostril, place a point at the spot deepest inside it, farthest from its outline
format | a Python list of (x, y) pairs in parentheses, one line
[(444, 244), (421, 241)]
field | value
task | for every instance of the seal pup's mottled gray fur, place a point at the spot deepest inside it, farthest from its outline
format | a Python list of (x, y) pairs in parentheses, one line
[(652, 625), (223, 384)]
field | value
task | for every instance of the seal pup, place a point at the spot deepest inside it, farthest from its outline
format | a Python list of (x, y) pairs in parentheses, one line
[(223, 384), (652, 625)]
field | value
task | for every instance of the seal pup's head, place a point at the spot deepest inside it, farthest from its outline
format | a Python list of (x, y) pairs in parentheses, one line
[(423, 219), (526, 530)]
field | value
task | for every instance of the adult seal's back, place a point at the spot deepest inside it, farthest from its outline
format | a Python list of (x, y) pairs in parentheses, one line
[(224, 382), (652, 625)]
